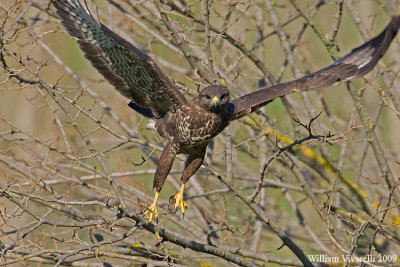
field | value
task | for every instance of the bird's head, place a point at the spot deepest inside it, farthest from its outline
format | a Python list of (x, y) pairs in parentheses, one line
[(213, 98)]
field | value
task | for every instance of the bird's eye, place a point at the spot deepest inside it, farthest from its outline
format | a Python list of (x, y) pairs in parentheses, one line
[(223, 96), (208, 97)]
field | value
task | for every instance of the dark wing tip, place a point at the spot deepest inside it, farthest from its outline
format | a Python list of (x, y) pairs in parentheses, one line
[(396, 22), (358, 62), (133, 73)]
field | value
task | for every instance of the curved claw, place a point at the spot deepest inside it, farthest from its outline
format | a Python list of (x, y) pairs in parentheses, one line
[(179, 200), (153, 209)]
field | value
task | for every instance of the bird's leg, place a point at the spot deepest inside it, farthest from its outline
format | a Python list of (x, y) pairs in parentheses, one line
[(192, 164), (179, 199), (163, 168), (153, 208)]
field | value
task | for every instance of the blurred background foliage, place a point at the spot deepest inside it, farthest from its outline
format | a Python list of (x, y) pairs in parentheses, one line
[(69, 144)]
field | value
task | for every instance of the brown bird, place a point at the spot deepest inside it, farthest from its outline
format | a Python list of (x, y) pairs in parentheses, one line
[(189, 125)]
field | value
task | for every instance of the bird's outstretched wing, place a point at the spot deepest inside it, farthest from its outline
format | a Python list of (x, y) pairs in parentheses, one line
[(360, 61), (130, 71)]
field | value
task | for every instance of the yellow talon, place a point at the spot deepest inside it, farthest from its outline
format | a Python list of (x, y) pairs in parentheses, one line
[(153, 208), (179, 199)]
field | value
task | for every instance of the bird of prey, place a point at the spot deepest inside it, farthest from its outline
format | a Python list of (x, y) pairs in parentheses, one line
[(188, 125)]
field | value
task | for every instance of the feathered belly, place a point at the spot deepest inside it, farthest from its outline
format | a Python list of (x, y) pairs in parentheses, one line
[(191, 130), (195, 132)]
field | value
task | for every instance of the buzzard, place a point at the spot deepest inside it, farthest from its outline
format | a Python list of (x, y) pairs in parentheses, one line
[(188, 125)]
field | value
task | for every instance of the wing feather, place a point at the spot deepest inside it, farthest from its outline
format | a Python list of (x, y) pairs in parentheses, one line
[(129, 70), (357, 63)]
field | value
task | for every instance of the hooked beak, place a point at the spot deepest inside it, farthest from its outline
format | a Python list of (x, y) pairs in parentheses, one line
[(215, 101)]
